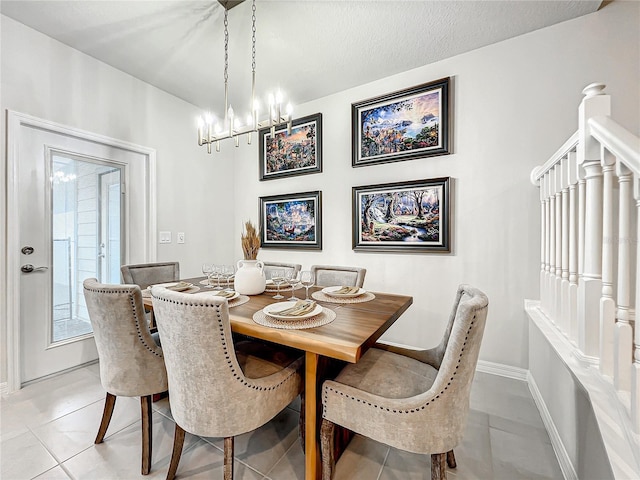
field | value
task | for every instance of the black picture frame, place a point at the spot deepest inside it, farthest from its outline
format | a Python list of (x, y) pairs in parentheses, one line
[(287, 155), (411, 216), (403, 125), (291, 221)]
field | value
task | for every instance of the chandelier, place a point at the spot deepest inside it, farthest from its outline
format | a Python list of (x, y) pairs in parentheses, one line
[(212, 130)]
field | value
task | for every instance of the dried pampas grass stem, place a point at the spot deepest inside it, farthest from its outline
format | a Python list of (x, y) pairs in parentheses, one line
[(250, 241)]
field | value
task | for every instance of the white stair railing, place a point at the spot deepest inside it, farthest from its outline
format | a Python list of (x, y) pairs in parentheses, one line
[(590, 225)]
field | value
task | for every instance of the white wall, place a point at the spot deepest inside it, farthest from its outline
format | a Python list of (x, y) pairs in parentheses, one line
[(46, 79), (514, 104)]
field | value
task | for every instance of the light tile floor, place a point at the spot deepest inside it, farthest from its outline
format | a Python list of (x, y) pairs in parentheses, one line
[(47, 431)]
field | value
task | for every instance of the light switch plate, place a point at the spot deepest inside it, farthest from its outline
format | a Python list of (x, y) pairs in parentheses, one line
[(165, 237), (180, 237)]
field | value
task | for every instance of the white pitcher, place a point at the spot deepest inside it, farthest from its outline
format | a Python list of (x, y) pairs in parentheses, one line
[(250, 279)]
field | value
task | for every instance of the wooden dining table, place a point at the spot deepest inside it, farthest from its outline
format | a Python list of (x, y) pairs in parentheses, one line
[(356, 327)]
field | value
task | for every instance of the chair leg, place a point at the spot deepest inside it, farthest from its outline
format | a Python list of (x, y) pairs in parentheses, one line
[(438, 470), (327, 430), (178, 442), (147, 433), (451, 459), (228, 458), (109, 403)]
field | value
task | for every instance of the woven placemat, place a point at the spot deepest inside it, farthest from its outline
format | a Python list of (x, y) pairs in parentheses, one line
[(241, 300), (327, 316), (323, 297)]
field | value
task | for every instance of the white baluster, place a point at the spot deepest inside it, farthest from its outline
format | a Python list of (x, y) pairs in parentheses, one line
[(547, 242), (543, 240), (573, 247), (582, 202), (623, 337), (557, 293), (635, 368), (564, 284), (552, 247), (607, 304)]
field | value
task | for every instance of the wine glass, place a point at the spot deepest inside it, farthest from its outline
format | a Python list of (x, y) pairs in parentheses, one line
[(228, 271), (216, 272), (307, 279), (207, 270), (293, 280), (277, 277)]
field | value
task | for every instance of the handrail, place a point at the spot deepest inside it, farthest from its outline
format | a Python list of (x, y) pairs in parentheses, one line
[(623, 144), (538, 172)]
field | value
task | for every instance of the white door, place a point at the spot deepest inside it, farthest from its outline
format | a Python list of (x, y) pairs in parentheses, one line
[(76, 221)]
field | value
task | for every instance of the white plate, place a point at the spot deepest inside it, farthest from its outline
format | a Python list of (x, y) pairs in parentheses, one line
[(331, 291), (211, 294), (284, 305)]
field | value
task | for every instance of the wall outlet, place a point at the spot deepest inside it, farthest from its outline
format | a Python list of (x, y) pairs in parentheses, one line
[(165, 237), (180, 237)]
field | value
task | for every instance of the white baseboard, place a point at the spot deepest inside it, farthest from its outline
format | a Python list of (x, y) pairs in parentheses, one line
[(562, 455), (502, 370), (483, 366)]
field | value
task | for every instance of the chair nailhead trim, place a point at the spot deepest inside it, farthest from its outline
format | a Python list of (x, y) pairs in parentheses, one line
[(350, 397), (237, 375), (154, 349)]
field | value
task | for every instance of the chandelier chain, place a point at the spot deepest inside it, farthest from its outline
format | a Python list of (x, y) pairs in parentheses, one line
[(253, 36), (226, 43)]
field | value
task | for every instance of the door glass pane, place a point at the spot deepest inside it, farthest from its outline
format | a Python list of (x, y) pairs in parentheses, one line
[(86, 219)]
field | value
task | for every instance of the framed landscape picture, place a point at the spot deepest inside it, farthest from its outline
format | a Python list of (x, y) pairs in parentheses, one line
[(291, 221), (402, 217), (296, 153), (407, 124)]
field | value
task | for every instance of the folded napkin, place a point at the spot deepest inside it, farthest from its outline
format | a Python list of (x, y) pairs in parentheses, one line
[(300, 308), (346, 290), (180, 286), (224, 293)]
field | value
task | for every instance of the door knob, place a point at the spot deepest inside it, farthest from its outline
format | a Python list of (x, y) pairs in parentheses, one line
[(27, 250), (28, 268)]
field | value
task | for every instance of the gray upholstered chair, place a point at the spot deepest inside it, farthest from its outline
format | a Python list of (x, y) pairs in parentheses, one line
[(131, 362), (268, 266), (145, 274), (330, 275), (217, 387), (413, 400)]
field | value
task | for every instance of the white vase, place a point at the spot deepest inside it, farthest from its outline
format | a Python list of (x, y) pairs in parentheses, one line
[(250, 279)]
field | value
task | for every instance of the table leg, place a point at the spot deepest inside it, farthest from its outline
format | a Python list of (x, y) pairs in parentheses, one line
[(311, 447)]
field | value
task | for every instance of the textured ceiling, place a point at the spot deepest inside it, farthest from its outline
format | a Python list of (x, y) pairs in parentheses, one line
[(308, 49)]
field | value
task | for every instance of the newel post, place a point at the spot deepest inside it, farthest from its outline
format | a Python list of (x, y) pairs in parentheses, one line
[(594, 103)]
